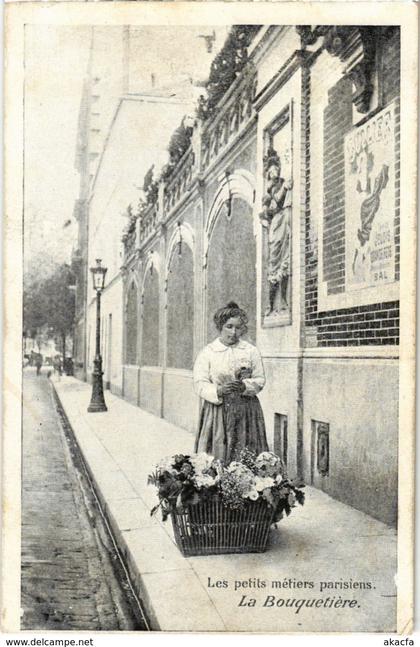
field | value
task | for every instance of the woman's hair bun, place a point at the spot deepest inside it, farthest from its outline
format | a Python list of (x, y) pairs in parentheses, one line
[(230, 310)]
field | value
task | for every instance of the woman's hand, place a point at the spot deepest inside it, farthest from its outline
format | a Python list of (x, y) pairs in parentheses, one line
[(231, 387)]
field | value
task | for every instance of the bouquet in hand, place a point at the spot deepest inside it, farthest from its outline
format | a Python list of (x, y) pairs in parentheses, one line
[(233, 384), (243, 373)]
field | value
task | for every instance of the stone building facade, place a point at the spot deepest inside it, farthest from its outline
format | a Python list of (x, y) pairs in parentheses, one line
[(287, 201)]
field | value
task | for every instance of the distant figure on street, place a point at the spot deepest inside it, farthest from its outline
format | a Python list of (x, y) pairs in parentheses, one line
[(57, 365), (38, 363)]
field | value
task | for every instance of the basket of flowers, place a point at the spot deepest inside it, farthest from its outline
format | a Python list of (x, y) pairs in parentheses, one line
[(217, 508)]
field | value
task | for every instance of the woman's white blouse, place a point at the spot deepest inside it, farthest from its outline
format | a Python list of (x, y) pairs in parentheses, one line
[(217, 361)]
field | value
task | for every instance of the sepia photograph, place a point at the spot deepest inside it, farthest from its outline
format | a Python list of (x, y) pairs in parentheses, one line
[(214, 412)]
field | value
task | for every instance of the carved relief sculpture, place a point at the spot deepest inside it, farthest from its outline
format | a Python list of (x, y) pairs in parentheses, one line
[(276, 217)]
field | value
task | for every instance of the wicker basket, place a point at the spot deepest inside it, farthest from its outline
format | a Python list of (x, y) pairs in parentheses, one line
[(209, 528)]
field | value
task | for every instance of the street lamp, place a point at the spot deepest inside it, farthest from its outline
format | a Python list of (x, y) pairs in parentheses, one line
[(97, 402)]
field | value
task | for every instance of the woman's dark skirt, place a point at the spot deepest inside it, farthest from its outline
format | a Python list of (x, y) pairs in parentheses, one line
[(225, 429)]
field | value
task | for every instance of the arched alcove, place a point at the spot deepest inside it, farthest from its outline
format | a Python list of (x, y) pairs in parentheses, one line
[(150, 328), (131, 325), (180, 309), (231, 259)]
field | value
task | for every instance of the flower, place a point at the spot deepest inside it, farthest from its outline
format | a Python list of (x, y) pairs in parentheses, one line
[(268, 464), (243, 372), (179, 461), (217, 465), (184, 480), (242, 477), (204, 480), (263, 483), (253, 495), (268, 458), (201, 462), (247, 457), (232, 491), (187, 469), (235, 466)]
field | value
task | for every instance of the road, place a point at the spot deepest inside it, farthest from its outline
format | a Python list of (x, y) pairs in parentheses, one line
[(72, 578)]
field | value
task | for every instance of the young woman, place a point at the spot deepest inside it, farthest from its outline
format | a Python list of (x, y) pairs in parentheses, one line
[(228, 374)]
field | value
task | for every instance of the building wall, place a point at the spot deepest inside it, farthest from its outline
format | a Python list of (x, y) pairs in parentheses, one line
[(350, 379), (358, 398), (180, 404), (331, 353), (112, 310)]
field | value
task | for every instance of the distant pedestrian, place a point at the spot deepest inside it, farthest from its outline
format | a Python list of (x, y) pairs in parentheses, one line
[(57, 365), (38, 363)]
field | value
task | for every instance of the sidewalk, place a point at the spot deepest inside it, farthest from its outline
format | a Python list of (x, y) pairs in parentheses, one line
[(323, 541)]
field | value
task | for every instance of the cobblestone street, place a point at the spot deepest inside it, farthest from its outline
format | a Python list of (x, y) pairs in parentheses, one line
[(70, 569)]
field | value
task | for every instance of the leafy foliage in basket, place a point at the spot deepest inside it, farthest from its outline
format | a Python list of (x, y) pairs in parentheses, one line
[(184, 480)]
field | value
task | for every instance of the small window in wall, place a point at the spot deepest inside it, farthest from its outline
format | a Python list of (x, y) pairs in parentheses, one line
[(320, 448), (280, 436)]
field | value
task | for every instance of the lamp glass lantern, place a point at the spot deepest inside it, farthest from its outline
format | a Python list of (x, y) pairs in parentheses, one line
[(98, 275)]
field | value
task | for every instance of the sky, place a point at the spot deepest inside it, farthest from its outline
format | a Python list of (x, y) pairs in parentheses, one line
[(55, 66), (56, 60)]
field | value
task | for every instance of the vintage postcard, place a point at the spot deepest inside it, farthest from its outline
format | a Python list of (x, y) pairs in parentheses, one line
[(210, 243)]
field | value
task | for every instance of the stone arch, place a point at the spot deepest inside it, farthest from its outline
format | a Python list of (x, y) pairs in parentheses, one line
[(153, 262), (240, 183), (230, 250), (180, 300), (131, 322), (150, 311), (187, 236)]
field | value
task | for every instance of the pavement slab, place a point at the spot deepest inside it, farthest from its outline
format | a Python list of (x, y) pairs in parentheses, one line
[(323, 553)]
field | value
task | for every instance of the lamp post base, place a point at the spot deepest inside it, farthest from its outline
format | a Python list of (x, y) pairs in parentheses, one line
[(97, 402), (96, 407)]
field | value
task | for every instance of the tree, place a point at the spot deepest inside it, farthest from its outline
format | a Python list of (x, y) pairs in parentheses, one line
[(50, 303)]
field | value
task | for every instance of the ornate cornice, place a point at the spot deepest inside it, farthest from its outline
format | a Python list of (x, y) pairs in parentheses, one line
[(356, 48)]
